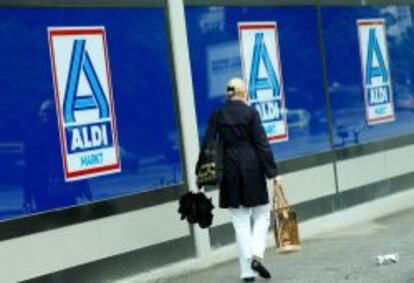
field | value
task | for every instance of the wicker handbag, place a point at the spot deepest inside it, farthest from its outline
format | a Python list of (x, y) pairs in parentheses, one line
[(285, 222)]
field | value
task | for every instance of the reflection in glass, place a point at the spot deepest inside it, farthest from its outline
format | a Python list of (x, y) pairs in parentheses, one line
[(44, 184)]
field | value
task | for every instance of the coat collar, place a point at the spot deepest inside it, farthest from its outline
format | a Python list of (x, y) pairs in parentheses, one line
[(236, 102)]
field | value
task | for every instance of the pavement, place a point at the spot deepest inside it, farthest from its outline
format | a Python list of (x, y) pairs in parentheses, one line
[(347, 255)]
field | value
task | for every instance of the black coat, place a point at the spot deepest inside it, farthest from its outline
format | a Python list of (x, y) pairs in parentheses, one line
[(247, 157)]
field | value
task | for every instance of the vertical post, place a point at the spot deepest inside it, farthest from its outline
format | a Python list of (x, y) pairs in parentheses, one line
[(328, 102), (186, 106)]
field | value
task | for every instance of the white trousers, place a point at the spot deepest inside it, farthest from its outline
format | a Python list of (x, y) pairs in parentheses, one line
[(251, 225)]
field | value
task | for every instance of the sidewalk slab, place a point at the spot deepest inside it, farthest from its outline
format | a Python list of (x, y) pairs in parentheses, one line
[(347, 255)]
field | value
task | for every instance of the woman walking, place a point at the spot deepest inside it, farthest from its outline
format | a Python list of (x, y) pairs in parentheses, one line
[(247, 162)]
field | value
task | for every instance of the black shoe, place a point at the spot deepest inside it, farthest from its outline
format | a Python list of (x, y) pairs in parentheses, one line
[(259, 267), (249, 279)]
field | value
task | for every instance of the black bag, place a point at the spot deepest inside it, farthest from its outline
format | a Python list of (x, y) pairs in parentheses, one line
[(209, 169), (196, 208)]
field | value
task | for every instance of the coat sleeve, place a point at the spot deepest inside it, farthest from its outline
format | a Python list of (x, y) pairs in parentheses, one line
[(262, 146)]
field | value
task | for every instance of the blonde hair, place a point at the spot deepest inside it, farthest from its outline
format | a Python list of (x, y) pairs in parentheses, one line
[(235, 87)]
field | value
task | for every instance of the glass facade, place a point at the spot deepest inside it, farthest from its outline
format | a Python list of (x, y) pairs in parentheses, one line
[(31, 173)]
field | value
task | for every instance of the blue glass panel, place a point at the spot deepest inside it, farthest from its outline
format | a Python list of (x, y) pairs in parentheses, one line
[(31, 178), (215, 58), (345, 75)]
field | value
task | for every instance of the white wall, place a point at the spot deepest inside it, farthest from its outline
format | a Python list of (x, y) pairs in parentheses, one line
[(50, 251)]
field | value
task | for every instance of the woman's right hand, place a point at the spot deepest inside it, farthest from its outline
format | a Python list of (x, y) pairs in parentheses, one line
[(278, 179)]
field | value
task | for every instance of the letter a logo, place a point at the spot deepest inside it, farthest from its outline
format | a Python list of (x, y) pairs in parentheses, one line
[(260, 54), (376, 75), (81, 61), (378, 70)]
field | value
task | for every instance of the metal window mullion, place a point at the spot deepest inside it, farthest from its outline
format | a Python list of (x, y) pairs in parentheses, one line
[(329, 114), (186, 107)]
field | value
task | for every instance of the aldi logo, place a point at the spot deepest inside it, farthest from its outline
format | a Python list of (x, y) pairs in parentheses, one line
[(263, 73), (84, 103), (378, 93)]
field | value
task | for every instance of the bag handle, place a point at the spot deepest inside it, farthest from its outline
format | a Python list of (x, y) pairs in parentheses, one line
[(214, 127), (209, 137), (279, 198)]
